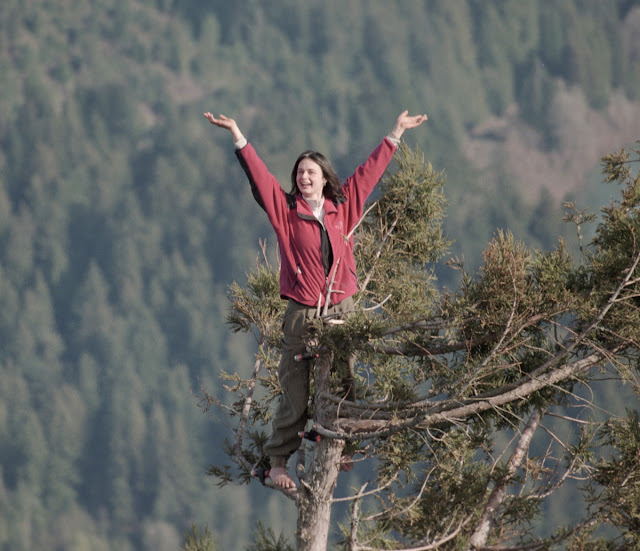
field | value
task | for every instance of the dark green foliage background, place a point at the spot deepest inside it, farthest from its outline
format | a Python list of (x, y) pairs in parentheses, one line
[(124, 216)]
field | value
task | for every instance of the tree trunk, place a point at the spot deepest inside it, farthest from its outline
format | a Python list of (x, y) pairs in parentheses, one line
[(316, 490), (314, 501)]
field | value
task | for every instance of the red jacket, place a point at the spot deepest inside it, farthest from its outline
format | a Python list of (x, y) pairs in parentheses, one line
[(302, 274)]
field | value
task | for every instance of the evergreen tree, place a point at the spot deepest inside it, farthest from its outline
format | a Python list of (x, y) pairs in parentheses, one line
[(459, 390)]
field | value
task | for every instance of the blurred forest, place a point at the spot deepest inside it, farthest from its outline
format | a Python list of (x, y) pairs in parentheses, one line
[(124, 215)]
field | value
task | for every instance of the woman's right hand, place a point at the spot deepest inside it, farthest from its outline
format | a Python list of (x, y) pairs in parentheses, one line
[(225, 122)]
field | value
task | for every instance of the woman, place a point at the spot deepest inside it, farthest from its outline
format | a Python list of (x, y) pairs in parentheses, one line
[(312, 223)]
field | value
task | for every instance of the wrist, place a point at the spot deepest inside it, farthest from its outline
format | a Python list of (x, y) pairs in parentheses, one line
[(396, 133), (395, 141), (238, 138)]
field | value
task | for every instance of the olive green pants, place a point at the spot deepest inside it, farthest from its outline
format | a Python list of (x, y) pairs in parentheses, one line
[(291, 415)]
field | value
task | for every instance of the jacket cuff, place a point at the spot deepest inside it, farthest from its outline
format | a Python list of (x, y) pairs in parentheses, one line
[(395, 141)]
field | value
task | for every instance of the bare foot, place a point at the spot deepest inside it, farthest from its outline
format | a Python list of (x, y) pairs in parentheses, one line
[(281, 479), (346, 463)]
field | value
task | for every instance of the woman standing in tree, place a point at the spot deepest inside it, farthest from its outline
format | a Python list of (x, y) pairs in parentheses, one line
[(312, 223)]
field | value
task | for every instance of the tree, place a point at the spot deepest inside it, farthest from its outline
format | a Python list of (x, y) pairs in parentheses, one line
[(475, 406)]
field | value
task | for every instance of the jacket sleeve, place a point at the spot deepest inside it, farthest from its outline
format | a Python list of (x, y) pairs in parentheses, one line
[(265, 188), (358, 187)]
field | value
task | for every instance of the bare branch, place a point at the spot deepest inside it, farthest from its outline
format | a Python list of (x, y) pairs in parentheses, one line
[(487, 519), (432, 545), (355, 517), (451, 410), (375, 491), (244, 415), (330, 291), (371, 207), (378, 253)]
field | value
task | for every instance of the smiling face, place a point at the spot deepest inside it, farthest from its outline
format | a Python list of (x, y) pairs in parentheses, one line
[(310, 179)]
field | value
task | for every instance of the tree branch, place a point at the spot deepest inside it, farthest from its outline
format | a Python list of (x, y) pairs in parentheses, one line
[(244, 416), (378, 252), (499, 493), (452, 410)]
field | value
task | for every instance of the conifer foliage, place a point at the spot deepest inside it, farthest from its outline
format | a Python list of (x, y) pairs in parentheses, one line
[(475, 406)]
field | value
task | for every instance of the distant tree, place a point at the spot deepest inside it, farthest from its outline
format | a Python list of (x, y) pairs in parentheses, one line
[(95, 321), (552, 23), (23, 443), (65, 424), (588, 61), (628, 62), (535, 88), (475, 406)]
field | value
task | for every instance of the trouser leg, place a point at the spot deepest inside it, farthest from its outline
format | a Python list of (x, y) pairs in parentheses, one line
[(291, 414)]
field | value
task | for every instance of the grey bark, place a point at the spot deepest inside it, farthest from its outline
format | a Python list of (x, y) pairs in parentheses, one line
[(316, 490)]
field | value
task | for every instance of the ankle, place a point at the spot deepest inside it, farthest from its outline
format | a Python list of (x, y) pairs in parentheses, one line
[(279, 461)]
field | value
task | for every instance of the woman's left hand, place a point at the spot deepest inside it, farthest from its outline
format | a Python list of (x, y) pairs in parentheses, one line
[(405, 122)]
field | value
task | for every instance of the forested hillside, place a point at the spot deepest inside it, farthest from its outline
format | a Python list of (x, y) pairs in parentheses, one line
[(124, 217)]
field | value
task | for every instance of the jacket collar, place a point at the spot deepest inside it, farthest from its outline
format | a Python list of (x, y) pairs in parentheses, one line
[(304, 209)]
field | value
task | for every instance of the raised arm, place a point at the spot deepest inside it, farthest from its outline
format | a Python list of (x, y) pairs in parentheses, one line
[(227, 123), (265, 188), (405, 122)]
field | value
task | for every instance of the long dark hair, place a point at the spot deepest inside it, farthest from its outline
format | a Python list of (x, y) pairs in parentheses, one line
[(333, 188)]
